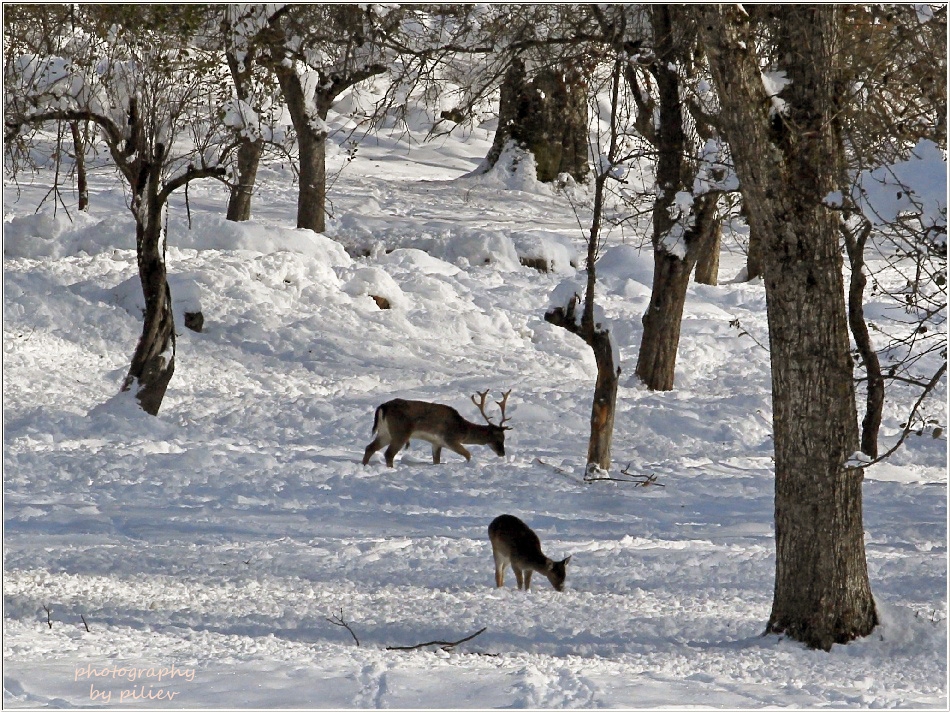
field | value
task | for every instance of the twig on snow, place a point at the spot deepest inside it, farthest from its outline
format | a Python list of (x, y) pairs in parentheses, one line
[(636, 479), (84, 622), (338, 621)]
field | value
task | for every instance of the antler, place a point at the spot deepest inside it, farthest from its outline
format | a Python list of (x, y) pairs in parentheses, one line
[(480, 404), (501, 404)]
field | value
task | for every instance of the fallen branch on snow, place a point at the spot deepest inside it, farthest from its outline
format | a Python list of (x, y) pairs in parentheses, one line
[(444, 644)]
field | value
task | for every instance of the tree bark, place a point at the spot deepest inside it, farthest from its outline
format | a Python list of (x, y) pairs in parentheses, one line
[(79, 147), (707, 254), (786, 166), (249, 150), (153, 362), (248, 160), (754, 258), (546, 116), (678, 237), (604, 406), (874, 404), (311, 143)]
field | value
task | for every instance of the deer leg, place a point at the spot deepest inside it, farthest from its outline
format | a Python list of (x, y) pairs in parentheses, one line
[(460, 449), (391, 452), (436, 454), (527, 579), (500, 564), (399, 436), (372, 448), (519, 576)]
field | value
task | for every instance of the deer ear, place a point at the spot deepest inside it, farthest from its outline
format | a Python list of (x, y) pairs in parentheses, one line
[(567, 560)]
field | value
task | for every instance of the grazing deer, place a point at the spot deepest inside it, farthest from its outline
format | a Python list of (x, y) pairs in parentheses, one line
[(513, 542), (397, 421)]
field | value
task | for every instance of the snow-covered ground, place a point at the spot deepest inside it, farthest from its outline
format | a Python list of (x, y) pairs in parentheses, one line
[(210, 549)]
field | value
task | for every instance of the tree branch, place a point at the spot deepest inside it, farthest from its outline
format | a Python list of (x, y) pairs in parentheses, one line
[(189, 175)]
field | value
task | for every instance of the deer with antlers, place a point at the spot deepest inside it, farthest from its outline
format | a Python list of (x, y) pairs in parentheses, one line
[(398, 421)]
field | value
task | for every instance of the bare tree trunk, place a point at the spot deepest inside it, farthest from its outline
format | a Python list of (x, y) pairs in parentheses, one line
[(248, 160), (79, 148), (595, 335), (707, 254), (874, 406), (604, 406), (786, 166), (311, 143)]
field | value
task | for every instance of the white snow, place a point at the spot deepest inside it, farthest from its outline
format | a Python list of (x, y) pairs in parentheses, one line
[(217, 539)]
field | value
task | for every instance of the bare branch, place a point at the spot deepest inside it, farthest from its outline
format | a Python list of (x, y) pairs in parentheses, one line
[(444, 644), (338, 621), (190, 174)]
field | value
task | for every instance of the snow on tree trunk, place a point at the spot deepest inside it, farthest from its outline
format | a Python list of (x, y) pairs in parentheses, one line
[(547, 116), (681, 222), (787, 156)]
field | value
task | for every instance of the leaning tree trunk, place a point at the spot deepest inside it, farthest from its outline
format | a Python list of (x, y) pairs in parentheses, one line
[(547, 116), (153, 362), (786, 166)]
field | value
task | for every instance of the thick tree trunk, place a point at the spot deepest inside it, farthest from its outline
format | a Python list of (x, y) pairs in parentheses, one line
[(248, 160), (153, 362), (755, 258), (311, 201), (656, 361), (546, 116), (786, 166), (250, 149)]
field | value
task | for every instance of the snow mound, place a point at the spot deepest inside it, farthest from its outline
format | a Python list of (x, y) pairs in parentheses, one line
[(49, 234), (482, 248), (213, 232), (375, 282), (547, 251)]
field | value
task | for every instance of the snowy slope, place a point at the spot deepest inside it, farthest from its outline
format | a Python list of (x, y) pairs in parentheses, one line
[(210, 545)]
